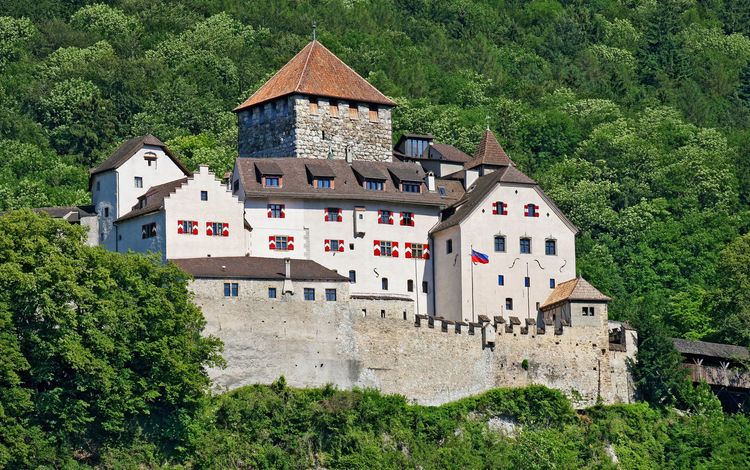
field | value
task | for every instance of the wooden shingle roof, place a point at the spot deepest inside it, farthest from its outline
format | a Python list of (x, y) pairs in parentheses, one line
[(489, 152), (316, 71), (575, 289)]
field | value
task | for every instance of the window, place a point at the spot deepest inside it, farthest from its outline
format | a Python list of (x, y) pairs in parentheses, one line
[(410, 187), (588, 311), (323, 183), (417, 250), (335, 245), (231, 289), (425, 286), (189, 227), (276, 211), (352, 276), (271, 292), (550, 247), (353, 111), (441, 190), (508, 304), (407, 219), (385, 217), (313, 106), (309, 293), (531, 210), (98, 185), (281, 242), (500, 243), (148, 230), (138, 180), (204, 195), (410, 285), (551, 283), (373, 114), (499, 208), (526, 245), (527, 281), (384, 283), (386, 248), (217, 229), (106, 212), (333, 109), (374, 185), (500, 280), (271, 181), (449, 246), (333, 214), (331, 295), (236, 186)]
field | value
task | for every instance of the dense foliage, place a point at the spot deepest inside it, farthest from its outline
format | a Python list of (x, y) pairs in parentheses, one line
[(95, 347), (633, 114)]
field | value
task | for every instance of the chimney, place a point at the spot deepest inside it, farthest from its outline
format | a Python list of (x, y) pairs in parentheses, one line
[(203, 169), (430, 181), (287, 287)]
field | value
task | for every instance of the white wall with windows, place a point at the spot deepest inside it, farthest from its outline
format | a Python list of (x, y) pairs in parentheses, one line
[(530, 249), (145, 234)]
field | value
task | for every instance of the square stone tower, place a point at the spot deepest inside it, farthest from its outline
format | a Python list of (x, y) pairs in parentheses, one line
[(316, 107)]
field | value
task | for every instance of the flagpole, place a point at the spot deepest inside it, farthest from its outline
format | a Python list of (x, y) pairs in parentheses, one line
[(472, 283)]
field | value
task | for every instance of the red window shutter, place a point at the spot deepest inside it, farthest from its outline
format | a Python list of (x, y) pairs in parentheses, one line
[(326, 215), (327, 245), (376, 248), (225, 230), (525, 210), (390, 218), (536, 211), (412, 221), (290, 243), (209, 229), (494, 207), (339, 216), (426, 251), (283, 211), (394, 250), (341, 246), (195, 227), (380, 215), (269, 211), (180, 228), (271, 242), (401, 218), (407, 250), (504, 208)]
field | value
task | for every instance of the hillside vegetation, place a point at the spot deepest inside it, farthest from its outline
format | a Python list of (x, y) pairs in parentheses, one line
[(632, 114)]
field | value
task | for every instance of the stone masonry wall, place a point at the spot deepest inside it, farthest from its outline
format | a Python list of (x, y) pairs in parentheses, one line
[(267, 130), (312, 345)]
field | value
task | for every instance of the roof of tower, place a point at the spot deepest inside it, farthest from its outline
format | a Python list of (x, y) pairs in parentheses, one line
[(317, 71), (489, 152), (575, 289)]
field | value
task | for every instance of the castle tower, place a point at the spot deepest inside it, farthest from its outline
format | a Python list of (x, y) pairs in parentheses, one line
[(316, 107)]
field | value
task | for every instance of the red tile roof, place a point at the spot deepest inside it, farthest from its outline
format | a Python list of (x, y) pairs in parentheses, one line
[(317, 71), (575, 289), (489, 152)]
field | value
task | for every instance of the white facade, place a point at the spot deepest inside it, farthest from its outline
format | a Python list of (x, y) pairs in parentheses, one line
[(355, 234), (185, 204), (478, 230), (116, 191)]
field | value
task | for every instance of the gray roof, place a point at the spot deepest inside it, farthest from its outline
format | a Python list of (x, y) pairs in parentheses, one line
[(489, 152), (575, 289), (318, 170), (479, 190), (447, 153), (69, 213), (251, 267), (702, 348), (412, 173), (347, 183), (128, 148), (266, 167), (153, 199)]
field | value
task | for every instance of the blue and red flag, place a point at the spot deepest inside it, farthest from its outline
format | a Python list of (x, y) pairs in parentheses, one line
[(477, 257)]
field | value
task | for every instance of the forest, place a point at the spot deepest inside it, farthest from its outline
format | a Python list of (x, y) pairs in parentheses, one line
[(633, 115)]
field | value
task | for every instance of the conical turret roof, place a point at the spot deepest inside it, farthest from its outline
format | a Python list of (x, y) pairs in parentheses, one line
[(316, 71), (489, 152)]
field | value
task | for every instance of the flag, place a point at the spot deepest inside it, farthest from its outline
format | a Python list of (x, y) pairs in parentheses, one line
[(477, 257)]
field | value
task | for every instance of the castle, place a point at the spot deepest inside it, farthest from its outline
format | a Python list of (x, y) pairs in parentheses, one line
[(328, 255)]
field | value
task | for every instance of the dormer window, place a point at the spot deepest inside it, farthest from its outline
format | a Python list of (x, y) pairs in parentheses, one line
[(271, 181), (374, 185), (324, 183), (410, 187)]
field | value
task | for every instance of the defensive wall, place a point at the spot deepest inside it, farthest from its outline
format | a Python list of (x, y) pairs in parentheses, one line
[(429, 361)]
